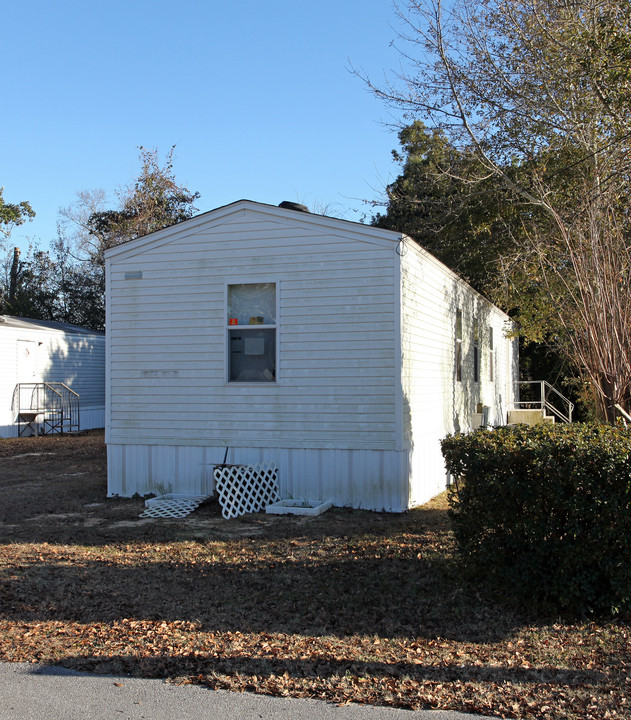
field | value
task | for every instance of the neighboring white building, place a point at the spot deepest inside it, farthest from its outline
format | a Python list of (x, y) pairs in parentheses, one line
[(42, 351), (341, 352)]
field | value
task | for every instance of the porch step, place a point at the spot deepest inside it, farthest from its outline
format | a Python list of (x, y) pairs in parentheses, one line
[(45, 408), (529, 417)]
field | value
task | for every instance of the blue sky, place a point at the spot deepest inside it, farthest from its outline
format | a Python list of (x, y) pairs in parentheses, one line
[(257, 97)]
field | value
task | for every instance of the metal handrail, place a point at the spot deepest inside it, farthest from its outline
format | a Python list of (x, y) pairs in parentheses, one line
[(56, 403), (544, 403)]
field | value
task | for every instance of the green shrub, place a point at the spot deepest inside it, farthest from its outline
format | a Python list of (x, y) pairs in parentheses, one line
[(545, 512)]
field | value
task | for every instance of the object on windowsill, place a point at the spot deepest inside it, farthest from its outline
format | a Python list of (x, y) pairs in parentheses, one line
[(256, 319), (233, 321)]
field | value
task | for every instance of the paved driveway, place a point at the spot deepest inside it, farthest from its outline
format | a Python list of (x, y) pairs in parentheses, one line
[(32, 692)]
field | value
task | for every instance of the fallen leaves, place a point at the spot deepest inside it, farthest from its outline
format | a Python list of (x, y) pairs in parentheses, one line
[(348, 607), (402, 672)]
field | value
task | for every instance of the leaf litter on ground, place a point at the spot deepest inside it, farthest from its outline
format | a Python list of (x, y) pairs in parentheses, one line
[(350, 606)]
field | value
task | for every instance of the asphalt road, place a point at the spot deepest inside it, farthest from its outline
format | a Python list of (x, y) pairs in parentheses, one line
[(32, 692)]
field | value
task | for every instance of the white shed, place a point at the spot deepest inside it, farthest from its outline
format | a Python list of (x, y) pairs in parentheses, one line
[(340, 352), (41, 352)]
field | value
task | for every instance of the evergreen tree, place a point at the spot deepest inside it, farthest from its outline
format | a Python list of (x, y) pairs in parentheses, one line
[(543, 86)]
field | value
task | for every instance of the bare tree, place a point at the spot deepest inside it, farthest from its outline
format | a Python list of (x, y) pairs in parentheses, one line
[(539, 92), (152, 202), (88, 228), (74, 223)]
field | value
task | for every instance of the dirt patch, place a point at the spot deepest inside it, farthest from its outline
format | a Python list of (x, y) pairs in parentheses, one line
[(348, 606), (54, 489)]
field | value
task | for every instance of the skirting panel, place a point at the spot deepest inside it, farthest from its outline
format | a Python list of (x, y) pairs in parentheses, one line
[(92, 417), (9, 430), (428, 476), (367, 479)]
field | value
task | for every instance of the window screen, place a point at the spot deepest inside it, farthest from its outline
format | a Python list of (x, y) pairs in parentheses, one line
[(251, 318)]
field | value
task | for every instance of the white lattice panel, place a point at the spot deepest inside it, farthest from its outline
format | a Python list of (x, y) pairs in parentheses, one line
[(170, 506), (246, 488)]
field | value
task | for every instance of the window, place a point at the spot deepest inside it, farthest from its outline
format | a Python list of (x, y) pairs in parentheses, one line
[(251, 327), (476, 350), (491, 351), (459, 345)]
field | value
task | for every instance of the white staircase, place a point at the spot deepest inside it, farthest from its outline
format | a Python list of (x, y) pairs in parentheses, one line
[(538, 402)]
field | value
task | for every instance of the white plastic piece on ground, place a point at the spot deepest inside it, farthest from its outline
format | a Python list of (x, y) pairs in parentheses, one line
[(246, 488), (291, 506), (172, 505)]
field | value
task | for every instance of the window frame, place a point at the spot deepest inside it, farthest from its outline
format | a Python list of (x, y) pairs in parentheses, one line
[(249, 328), (458, 344), (476, 350), (491, 355)]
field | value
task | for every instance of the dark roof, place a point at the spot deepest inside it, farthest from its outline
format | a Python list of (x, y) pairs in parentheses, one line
[(31, 324)]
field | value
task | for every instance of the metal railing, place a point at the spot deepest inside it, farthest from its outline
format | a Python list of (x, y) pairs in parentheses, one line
[(540, 395), (45, 408)]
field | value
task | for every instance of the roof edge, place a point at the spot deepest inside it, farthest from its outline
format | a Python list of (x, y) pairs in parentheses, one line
[(311, 218), (23, 323)]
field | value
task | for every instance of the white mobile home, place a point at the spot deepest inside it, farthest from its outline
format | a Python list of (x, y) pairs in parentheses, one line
[(340, 352), (36, 352)]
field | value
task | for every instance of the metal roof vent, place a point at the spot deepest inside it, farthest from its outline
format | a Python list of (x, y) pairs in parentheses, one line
[(288, 205)]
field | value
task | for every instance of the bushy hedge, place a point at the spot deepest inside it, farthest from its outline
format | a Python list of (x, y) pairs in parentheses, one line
[(546, 512)]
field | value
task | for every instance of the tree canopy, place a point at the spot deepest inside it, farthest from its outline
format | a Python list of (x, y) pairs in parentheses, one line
[(12, 214), (154, 201), (536, 95), (444, 201), (67, 283)]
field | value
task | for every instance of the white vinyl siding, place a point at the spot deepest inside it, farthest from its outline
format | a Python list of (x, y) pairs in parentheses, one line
[(336, 353), (365, 386), (78, 360), (435, 403)]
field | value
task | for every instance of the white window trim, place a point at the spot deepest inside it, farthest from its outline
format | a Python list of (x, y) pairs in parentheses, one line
[(475, 346), (491, 369), (458, 345), (227, 328)]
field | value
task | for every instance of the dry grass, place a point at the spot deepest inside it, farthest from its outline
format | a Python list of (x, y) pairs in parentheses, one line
[(349, 607)]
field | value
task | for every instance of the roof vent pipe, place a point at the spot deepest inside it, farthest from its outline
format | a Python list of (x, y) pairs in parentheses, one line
[(288, 205)]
